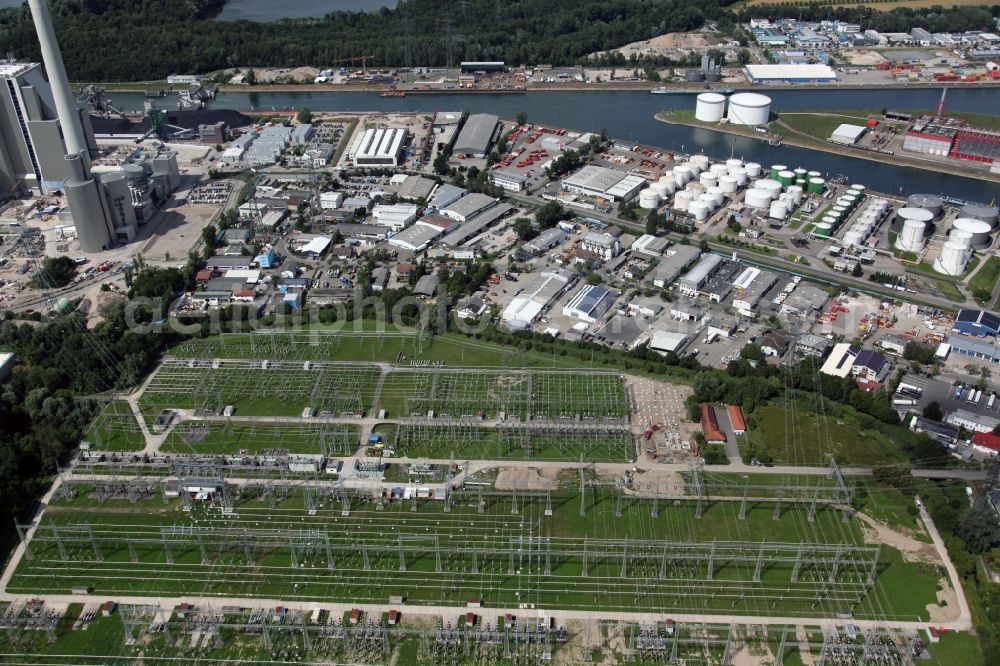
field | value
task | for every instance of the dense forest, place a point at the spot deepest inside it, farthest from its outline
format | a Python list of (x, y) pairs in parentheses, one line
[(127, 40)]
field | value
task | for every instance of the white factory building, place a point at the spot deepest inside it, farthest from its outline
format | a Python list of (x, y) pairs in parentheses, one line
[(848, 134), (604, 245), (394, 216), (538, 295), (468, 207), (790, 73), (595, 181), (380, 147)]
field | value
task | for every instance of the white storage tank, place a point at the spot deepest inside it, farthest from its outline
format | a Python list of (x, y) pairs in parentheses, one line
[(668, 182), (701, 161), (778, 210), (682, 200), (757, 198), (740, 174), (649, 199), (699, 210), (729, 184), (732, 163), (961, 236), (953, 259), (852, 237), (708, 179), (911, 238), (717, 194), (710, 107), (771, 186), (749, 109), (978, 230), (695, 187), (753, 169), (709, 200), (682, 175), (796, 192), (719, 169), (661, 189), (909, 213)]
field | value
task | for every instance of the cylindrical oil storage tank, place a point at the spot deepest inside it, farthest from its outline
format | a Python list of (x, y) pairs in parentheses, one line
[(757, 198), (776, 169), (816, 185), (710, 107), (953, 259), (717, 194), (961, 236), (931, 202), (740, 174), (719, 169), (979, 230), (649, 199), (977, 212), (708, 179), (831, 219), (701, 161), (852, 237), (695, 188), (768, 185), (846, 202), (682, 200), (778, 210), (733, 162), (814, 174), (682, 175), (729, 184), (911, 238), (667, 184), (749, 109), (796, 192), (660, 189), (696, 168), (908, 213), (709, 200), (699, 210), (800, 173), (839, 211), (753, 169), (786, 178), (823, 230), (858, 188)]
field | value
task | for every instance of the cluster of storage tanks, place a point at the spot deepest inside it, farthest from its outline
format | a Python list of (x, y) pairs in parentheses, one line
[(744, 108), (698, 187), (866, 223), (841, 210), (972, 229), (783, 190)]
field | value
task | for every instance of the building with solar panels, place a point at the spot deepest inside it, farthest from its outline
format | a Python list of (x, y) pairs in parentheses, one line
[(979, 323), (590, 303)]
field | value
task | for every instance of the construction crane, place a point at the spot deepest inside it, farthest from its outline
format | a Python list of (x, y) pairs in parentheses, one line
[(364, 61), (96, 98), (160, 128)]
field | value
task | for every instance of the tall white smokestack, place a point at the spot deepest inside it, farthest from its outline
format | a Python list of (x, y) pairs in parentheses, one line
[(66, 109)]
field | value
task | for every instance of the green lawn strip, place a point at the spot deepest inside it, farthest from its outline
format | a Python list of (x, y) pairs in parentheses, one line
[(218, 438), (115, 429), (985, 280), (950, 291), (820, 125), (955, 647)]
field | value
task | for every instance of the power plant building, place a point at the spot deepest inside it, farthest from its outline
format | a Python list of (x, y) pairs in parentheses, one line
[(32, 150)]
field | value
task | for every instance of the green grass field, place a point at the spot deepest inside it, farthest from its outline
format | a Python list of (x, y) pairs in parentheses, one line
[(222, 438), (115, 429), (796, 434), (901, 590), (820, 125), (982, 283)]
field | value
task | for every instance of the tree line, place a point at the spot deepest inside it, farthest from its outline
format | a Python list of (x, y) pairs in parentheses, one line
[(131, 40)]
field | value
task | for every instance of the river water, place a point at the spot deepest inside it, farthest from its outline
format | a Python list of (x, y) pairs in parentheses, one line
[(269, 10), (629, 115)]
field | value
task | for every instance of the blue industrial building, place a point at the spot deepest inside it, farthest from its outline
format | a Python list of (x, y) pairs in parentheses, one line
[(979, 323)]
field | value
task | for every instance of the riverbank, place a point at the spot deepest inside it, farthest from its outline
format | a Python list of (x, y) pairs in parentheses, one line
[(802, 141), (682, 88)]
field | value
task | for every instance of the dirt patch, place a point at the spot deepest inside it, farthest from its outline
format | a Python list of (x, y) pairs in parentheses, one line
[(911, 549), (946, 609), (658, 481), (526, 478)]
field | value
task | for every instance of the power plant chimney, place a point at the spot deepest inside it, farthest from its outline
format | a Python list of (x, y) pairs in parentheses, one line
[(69, 118), (91, 215)]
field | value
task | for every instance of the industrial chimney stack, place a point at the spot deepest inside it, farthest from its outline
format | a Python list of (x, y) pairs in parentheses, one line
[(91, 214)]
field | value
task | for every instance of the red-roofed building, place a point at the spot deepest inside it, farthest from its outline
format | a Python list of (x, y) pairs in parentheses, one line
[(393, 617), (710, 425), (736, 419), (987, 441), (204, 275)]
